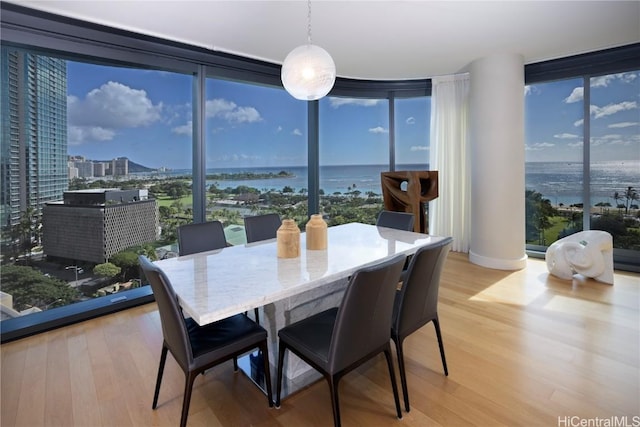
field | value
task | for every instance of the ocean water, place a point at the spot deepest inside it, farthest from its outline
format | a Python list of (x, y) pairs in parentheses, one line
[(560, 182)]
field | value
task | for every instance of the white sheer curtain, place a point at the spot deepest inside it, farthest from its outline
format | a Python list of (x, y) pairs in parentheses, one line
[(449, 154)]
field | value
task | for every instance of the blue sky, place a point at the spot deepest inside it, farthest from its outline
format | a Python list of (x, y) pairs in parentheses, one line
[(554, 121), (146, 116)]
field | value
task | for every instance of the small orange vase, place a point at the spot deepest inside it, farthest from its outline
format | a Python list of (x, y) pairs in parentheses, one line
[(316, 233), (288, 239)]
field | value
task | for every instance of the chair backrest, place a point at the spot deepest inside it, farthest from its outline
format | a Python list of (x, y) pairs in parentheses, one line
[(418, 298), (397, 220), (201, 237), (174, 329), (261, 227), (363, 321)]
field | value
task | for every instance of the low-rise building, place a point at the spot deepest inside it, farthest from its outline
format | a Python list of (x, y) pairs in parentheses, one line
[(92, 225)]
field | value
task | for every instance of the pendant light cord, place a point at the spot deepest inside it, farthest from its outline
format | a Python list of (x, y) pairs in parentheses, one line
[(309, 21)]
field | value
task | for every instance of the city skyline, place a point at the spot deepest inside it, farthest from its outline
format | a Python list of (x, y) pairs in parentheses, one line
[(146, 116)]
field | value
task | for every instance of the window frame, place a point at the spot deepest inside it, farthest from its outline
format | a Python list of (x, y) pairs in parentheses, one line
[(586, 66), (45, 33), (48, 34)]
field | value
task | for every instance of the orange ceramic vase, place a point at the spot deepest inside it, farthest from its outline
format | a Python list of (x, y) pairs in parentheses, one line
[(316, 233), (288, 238)]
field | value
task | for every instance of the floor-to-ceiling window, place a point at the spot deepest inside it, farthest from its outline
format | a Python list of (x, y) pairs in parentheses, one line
[(135, 112), (97, 162), (583, 160), (614, 166), (256, 154), (412, 125), (354, 150), (554, 160)]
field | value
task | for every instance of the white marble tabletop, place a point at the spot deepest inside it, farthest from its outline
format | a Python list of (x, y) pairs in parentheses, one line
[(217, 284)]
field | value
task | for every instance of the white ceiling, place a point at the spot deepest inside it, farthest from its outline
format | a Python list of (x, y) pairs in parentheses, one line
[(378, 40)]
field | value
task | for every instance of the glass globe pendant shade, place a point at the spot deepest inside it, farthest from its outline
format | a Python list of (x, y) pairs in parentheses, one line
[(308, 72)]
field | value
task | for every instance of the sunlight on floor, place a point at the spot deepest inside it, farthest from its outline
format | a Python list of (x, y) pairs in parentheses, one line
[(505, 292)]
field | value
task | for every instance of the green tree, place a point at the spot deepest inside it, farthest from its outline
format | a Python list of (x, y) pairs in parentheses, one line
[(128, 262), (107, 270), (30, 288), (630, 195), (616, 198), (26, 234), (538, 213)]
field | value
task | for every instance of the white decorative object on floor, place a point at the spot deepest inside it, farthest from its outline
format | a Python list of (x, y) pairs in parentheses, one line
[(589, 253)]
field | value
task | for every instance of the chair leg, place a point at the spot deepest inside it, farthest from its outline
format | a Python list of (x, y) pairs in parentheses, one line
[(436, 323), (333, 386), (394, 385), (163, 359), (281, 350), (267, 372), (235, 363), (186, 400), (403, 373), (257, 314)]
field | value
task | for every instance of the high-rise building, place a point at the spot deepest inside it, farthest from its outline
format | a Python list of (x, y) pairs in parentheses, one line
[(85, 169), (34, 132), (120, 166)]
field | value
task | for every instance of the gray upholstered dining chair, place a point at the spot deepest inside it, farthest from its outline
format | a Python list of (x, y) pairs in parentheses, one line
[(416, 302), (338, 340), (198, 348), (261, 227), (397, 220), (200, 237)]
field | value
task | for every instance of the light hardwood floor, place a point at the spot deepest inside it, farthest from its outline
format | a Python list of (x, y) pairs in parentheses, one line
[(523, 348)]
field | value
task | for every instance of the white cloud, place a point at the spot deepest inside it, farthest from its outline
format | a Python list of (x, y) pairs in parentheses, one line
[(565, 136), (538, 146), (103, 111), (186, 129), (578, 122), (378, 129), (237, 157), (113, 106), (603, 81), (623, 124), (410, 120), (296, 132), (229, 111), (419, 148), (607, 110), (279, 129), (76, 135), (576, 95), (527, 90), (339, 102), (575, 144)]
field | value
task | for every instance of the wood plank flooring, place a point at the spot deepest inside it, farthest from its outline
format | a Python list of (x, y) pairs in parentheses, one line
[(523, 349)]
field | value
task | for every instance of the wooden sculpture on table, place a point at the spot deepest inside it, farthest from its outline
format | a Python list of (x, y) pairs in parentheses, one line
[(422, 187)]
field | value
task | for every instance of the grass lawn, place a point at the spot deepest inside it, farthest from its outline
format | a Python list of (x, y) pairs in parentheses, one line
[(167, 201), (551, 234)]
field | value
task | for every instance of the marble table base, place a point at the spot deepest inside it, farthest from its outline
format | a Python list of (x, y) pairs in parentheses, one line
[(297, 374)]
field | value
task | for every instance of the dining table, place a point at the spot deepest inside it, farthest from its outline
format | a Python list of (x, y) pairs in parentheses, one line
[(216, 284)]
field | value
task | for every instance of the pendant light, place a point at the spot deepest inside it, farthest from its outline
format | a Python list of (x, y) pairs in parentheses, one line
[(308, 72)]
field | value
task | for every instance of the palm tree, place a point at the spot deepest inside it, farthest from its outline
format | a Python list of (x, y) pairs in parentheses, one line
[(616, 198), (630, 195)]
